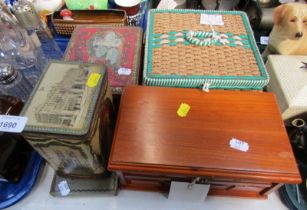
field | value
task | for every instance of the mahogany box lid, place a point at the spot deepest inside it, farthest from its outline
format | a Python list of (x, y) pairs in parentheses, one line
[(151, 137)]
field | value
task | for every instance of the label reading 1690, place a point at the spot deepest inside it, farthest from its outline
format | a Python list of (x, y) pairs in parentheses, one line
[(14, 124), (8, 124)]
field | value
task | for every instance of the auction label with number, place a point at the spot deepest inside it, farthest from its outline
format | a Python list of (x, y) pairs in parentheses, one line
[(124, 71), (12, 124)]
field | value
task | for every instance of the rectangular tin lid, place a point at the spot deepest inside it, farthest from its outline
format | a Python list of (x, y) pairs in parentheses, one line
[(64, 99), (116, 47), (151, 137)]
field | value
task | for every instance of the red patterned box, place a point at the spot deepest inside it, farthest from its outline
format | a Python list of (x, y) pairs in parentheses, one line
[(118, 48)]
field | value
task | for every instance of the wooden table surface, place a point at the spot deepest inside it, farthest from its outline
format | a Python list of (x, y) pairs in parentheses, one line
[(151, 137)]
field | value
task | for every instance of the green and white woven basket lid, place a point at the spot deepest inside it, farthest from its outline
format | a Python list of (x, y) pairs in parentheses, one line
[(182, 52)]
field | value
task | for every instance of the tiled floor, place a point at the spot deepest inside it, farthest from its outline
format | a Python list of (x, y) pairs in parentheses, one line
[(39, 199)]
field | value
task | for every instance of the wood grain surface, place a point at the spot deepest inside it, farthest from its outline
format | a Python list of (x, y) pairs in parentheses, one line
[(150, 137)]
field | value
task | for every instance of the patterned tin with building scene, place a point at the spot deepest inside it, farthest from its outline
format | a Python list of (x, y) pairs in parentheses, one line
[(67, 116)]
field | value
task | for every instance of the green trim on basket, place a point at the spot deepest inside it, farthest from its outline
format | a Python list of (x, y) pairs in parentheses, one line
[(214, 84), (217, 82), (254, 47)]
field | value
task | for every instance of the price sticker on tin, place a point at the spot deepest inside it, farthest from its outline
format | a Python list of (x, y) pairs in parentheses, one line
[(124, 71), (64, 188), (12, 124), (93, 80), (239, 145)]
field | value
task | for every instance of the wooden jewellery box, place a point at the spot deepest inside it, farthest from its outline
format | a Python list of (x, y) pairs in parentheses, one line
[(233, 140), (69, 118)]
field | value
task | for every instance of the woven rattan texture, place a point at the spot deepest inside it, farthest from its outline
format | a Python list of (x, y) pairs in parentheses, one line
[(67, 29), (194, 60), (64, 29), (165, 22)]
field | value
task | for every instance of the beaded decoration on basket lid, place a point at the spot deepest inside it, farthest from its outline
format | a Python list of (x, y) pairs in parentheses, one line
[(207, 38)]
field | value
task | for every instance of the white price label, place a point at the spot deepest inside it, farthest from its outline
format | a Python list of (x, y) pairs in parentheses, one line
[(124, 71), (64, 188), (211, 19), (239, 145), (264, 40), (191, 192), (12, 124), (167, 4), (206, 87)]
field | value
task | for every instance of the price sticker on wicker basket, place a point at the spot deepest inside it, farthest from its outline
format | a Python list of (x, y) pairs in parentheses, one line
[(211, 19), (12, 124)]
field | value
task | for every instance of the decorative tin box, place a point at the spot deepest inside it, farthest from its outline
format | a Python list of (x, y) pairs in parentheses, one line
[(119, 48), (289, 83), (182, 52), (69, 118)]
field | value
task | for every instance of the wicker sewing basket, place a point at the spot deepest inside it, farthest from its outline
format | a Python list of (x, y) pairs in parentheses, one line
[(233, 62)]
